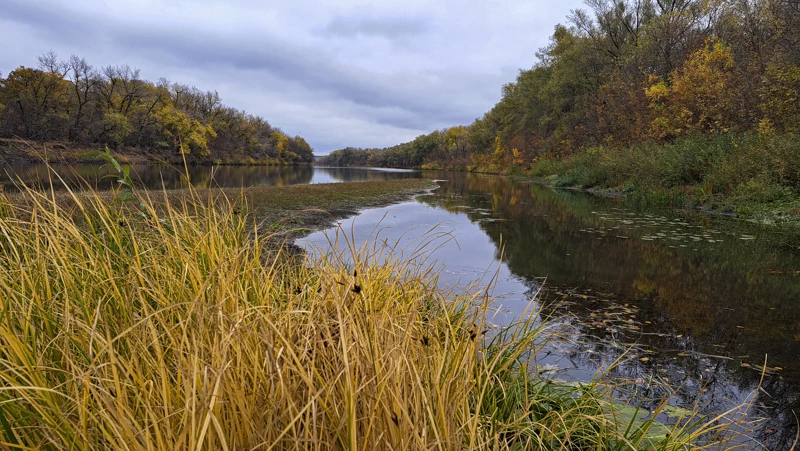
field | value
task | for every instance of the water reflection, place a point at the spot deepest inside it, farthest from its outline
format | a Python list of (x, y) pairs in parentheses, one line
[(156, 176), (330, 174), (695, 300)]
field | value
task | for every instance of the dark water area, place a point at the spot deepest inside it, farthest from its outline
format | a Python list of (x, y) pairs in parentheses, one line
[(689, 299), (685, 298), (158, 176)]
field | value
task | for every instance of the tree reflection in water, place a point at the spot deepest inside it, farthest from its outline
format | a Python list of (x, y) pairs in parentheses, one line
[(709, 297), (156, 176)]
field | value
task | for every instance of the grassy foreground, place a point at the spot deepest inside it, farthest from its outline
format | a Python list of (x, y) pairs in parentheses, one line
[(754, 176), (173, 325)]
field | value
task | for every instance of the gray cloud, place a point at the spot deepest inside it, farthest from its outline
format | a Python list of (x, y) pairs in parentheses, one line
[(336, 90), (388, 28)]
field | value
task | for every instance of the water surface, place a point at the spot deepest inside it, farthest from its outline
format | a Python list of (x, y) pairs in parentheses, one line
[(694, 300), (157, 176)]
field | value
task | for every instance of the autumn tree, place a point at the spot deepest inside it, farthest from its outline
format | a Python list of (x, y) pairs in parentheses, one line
[(780, 99), (84, 84), (187, 135), (455, 140), (37, 103), (113, 106), (698, 97)]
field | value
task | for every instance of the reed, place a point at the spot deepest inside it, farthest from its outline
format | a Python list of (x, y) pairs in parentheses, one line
[(178, 325)]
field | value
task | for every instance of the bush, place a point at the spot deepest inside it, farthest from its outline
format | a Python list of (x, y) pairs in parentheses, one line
[(760, 191)]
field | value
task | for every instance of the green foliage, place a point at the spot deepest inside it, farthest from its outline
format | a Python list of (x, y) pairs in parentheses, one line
[(408, 155), (760, 191), (127, 189), (728, 171)]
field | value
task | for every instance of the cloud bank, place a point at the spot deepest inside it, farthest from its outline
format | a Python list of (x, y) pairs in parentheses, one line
[(344, 73)]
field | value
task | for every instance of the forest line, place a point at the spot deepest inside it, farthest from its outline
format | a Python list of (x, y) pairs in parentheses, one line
[(684, 82), (70, 107)]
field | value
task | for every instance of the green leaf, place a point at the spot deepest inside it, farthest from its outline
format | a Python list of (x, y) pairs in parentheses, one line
[(113, 160)]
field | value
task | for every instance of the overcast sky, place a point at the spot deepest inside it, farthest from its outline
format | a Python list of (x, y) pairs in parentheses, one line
[(339, 73)]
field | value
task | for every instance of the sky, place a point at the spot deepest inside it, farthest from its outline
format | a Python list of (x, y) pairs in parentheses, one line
[(338, 73)]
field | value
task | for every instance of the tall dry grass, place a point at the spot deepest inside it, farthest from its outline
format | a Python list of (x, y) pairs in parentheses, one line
[(181, 327)]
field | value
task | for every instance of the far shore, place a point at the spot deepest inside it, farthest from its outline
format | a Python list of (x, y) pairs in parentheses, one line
[(18, 151)]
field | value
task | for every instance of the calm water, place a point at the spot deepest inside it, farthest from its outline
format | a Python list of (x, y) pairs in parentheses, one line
[(200, 176), (698, 300)]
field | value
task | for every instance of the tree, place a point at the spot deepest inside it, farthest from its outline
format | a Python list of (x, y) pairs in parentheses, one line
[(36, 103), (780, 99), (701, 96), (114, 106), (187, 134), (84, 81), (455, 140), (280, 143), (298, 146)]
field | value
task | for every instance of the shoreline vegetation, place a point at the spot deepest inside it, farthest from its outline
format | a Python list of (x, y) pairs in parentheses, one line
[(19, 151), (751, 177), (687, 103), (171, 320), (71, 110)]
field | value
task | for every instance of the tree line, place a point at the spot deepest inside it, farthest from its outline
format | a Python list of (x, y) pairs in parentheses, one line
[(73, 104), (624, 73)]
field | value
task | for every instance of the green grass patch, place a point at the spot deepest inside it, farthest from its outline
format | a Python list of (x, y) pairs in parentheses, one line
[(755, 176)]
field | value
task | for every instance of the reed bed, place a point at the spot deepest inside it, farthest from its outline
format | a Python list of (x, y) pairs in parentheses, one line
[(182, 327)]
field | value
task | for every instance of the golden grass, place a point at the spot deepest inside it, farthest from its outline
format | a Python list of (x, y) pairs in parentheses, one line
[(176, 329)]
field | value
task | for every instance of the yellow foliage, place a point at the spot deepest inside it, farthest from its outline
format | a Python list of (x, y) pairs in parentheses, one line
[(455, 139), (658, 91), (117, 126), (498, 147), (186, 133), (780, 98), (699, 96), (281, 143), (766, 127), (517, 156)]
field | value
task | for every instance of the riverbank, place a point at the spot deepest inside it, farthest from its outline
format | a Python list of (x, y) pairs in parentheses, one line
[(287, 212), (14, 151), (754, 177), (748, 175), (170, 324)]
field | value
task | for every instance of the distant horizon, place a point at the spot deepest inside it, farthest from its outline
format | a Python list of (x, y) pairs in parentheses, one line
[(341, 74)]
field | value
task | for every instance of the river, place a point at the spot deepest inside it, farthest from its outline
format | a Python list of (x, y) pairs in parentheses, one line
[(695, 300)]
